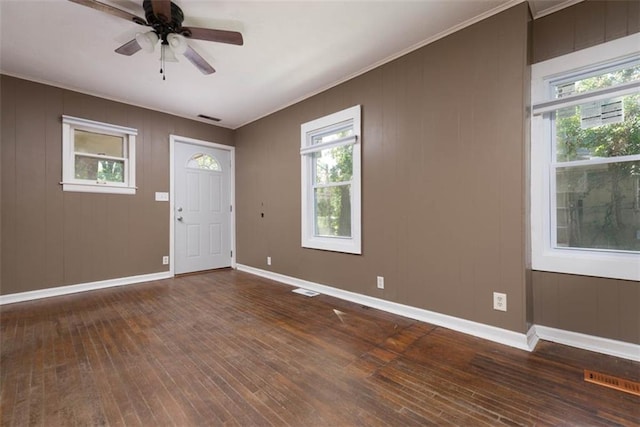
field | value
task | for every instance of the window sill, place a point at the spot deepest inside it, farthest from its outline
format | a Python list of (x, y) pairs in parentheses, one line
[(343, 245), (98, 188), (610, 265)]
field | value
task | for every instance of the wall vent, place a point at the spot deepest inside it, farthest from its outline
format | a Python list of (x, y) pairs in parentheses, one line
[(204, 116), (615, 383)]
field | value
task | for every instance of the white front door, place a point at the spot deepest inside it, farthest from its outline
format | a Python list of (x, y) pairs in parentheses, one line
[(202, 188)]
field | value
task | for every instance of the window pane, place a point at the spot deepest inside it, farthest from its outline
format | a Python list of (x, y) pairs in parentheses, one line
[(101, 170), (332, 207), (97, 143), (203, 161), (598, 206), (333, 165), (333, 135), (600, 80), (607, 128)]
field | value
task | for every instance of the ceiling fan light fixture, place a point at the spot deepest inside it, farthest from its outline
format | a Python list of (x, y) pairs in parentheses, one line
[(168, 54), (177, 42), (147, 41)]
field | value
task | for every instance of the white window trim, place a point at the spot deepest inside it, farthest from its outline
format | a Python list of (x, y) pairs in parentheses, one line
[(70, 183), (599, 263), (353, 244)]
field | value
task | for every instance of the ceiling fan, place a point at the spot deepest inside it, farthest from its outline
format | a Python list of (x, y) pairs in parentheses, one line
[(165, 19)]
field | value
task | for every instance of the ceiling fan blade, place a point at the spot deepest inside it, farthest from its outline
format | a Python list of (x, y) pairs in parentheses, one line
[(220, 36), (162, 9), (198, 61), (94, 4), (129, 48)]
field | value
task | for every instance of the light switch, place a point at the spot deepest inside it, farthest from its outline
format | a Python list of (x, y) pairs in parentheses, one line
[(162, 196)]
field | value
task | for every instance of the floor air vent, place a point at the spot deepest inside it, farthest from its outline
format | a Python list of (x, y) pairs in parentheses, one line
[(305, 292), (612, 382)]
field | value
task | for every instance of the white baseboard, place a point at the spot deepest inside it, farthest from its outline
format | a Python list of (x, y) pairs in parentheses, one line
[(532, 338), (526, 341), (611, 347), (82, 287), (492, 333)]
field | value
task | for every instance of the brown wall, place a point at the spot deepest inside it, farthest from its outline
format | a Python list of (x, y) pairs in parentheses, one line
[(589, 305), (53, 238), (596, 306), (585, 24), (443, 178)]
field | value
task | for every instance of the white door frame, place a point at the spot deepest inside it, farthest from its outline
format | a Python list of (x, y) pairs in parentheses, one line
[(173, 139)]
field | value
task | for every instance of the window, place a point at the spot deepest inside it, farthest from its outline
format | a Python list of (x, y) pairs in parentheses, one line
[(204, 161), (97, 157), (330, 152), (586, 162)]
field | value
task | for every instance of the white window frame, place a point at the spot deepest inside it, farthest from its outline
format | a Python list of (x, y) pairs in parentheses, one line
[(71, 183), (544, 256), (313, 128)]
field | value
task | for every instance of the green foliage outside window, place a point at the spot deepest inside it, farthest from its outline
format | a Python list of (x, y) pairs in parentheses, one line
[(598, 205), (333, 202), (99, 170)]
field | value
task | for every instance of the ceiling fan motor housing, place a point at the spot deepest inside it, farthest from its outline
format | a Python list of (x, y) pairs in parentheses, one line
[(161, 24)]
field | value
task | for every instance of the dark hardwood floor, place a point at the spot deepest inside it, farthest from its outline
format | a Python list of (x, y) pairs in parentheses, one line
[(229, 348)]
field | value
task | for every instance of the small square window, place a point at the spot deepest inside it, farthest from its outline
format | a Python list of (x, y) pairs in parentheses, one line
[(97, 157)]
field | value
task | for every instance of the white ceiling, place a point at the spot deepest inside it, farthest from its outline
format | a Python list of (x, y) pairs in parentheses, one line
[(292, 49)]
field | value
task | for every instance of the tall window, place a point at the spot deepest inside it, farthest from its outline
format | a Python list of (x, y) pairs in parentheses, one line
[(586, 162), (330, 154), (97, 157)]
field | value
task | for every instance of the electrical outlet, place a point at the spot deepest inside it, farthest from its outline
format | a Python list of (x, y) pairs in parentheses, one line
[(499, 301), (268, 260), (165, 260), (380, 282)]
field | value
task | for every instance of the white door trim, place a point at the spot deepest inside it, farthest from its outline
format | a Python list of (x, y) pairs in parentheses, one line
[(173, 139)]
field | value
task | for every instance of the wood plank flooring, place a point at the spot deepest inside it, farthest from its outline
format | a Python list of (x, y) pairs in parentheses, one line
[(229, 348)]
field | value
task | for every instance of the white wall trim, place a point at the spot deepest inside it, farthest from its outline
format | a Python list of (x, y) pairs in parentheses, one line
[(526, 341), (537, 13), (532, 337), (82, 287), (491, 333), (611, 347)]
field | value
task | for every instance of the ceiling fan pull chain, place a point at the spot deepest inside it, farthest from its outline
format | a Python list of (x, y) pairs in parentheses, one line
[(161, 59), (162, 63)]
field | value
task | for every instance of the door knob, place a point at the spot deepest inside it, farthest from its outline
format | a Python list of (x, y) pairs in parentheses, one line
[(180, 209), (179, 218)]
